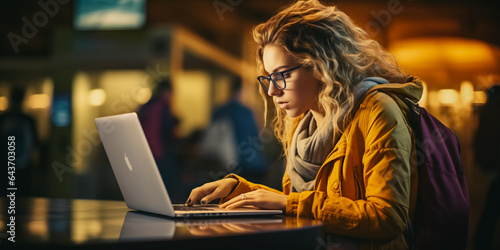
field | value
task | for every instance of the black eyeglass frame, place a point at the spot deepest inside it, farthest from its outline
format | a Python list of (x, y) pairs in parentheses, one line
[(281, 73)]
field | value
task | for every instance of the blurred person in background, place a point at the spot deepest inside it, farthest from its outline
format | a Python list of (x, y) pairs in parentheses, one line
[(487, 157), (161, 129), (232, 139)]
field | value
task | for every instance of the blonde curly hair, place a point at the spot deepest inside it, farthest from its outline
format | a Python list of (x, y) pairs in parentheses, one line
[(339, 54)]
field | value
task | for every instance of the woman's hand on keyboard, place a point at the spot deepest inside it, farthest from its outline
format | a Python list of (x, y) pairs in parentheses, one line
[(260, 198), (211, 191)]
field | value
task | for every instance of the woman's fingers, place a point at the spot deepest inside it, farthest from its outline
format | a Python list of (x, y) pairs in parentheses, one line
[(211, 196), (262, 199), (237, 204), (237, 201), (198, 193), (211, 191)]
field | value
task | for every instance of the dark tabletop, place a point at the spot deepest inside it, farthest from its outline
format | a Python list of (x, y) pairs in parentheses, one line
[(75, 223)]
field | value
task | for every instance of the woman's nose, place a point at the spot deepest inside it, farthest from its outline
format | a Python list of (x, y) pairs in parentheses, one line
[(273, 90)]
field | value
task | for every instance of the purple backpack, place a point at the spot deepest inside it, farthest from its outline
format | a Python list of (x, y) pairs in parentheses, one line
[(442, 211)]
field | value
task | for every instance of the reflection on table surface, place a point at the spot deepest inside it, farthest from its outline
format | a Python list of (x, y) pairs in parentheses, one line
[(138, 225), (77, 222)]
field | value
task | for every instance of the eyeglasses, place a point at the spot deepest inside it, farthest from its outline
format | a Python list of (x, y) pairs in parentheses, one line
[(278, 79)]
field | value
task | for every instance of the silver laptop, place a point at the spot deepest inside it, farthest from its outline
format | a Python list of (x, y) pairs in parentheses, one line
[(137, 174)]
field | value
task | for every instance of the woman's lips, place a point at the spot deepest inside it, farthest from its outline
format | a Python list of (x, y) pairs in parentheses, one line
[(283, 105)]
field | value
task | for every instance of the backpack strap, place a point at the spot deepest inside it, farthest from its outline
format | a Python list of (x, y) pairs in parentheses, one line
[(413, 118), (409, 234)]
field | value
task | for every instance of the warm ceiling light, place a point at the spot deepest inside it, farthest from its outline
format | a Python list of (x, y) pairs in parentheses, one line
[(456, 54), (97, 97)]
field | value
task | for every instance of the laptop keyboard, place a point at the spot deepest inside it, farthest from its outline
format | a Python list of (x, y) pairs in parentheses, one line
[(191, 208)]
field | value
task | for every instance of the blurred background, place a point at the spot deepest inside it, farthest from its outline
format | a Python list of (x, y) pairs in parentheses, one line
[(191, 62)]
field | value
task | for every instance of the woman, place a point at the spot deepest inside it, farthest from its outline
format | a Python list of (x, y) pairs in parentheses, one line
[(341, 120)]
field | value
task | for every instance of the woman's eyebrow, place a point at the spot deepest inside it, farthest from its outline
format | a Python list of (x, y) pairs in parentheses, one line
[(280, 67)]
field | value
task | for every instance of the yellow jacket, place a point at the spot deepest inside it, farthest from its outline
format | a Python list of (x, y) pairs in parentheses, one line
[(366, 188)]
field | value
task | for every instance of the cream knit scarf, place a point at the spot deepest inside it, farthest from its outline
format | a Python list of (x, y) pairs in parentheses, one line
[(310, 146)]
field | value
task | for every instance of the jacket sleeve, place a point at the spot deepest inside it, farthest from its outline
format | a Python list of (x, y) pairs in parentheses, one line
[(244, 186), (383, 213)]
